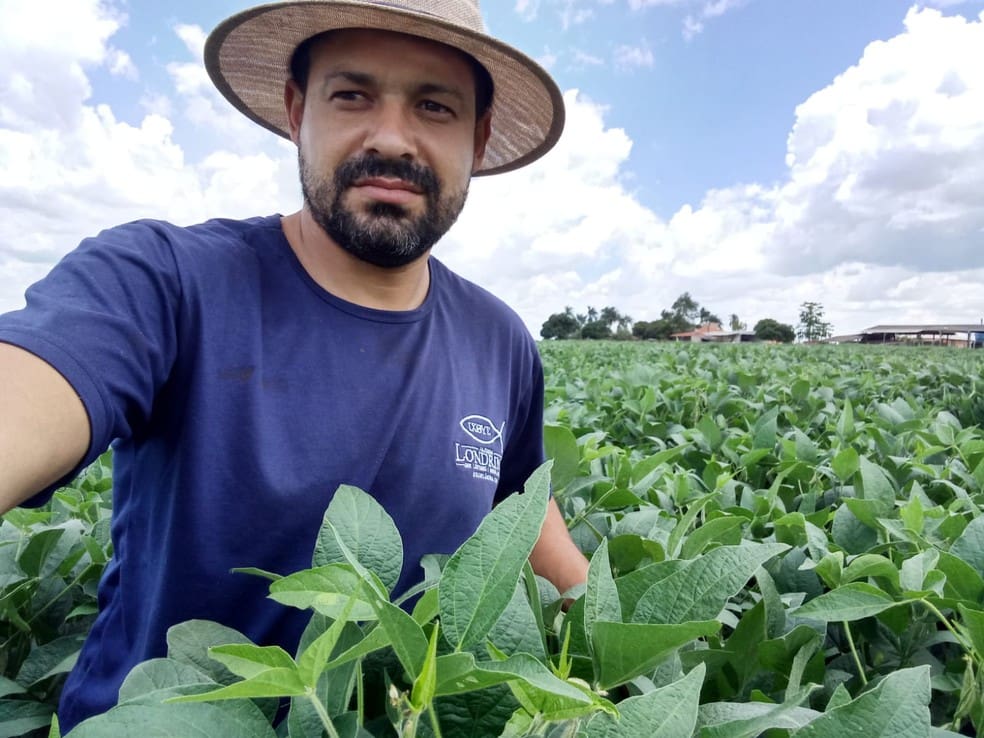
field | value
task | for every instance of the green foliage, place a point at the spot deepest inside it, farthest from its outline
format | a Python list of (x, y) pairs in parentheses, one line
[(784, 541), (769, 329), (812, 326)]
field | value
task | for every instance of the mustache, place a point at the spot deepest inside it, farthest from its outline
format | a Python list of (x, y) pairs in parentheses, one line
[(364, 166)]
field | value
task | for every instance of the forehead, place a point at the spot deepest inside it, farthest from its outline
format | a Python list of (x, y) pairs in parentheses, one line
[(391, 51)]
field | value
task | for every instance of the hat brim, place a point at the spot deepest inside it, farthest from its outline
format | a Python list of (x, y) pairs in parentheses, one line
[(248, 58)]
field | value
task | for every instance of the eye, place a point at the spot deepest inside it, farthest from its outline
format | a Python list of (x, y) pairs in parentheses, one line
[(348, 96), (436, 108)]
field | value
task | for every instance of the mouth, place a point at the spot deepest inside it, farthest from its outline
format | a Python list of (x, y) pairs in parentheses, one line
[(387, 189)]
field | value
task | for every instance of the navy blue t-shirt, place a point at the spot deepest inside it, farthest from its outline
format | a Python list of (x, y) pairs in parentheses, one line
[(238, 395)]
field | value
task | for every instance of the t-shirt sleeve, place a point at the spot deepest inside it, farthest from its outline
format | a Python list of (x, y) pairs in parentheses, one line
[(524, 450), (106, 319)]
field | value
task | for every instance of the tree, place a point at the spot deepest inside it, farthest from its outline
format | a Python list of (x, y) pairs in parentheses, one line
[(768, 329), (686, 308), (736, 324), (705, 316), (595, 330), (561, 325), (812, 326)]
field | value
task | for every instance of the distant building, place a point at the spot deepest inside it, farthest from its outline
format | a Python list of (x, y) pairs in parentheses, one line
[(713, 333), (959, 335)]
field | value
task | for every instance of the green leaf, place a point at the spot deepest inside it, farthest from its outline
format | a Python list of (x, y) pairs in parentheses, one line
[(725, 530), (700, 589), (55, 657), (601, 594), (668, 712), (517, 630), (916, 570), (325, 589), (460, 672), (20, 717), (233, 720), (765, 430), (355, 522), (963, 582), (425, 679), (850, 602), (247, 660), (188, 643), (278, 682), (406, 636), (896, 708), (849, 532), (969, 547), (877, 487), (561, 446), (623, 651), (871, 565), (973, 624), (846, 463), (35, 553), (480, 578), (154, 680), (751, 719), (9, 686)]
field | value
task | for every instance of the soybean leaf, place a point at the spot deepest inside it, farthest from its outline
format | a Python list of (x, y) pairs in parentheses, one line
[(601, 595), (325, 589), (247, 660), (846, 463), (969, 547), (561, 447), (850, 602), (240, 719), (20, 717), (188, 643), (406, 636), (9, 686), (896, 708), (480, 577), (751, 719), (877, 487), (153, 681), (700, 589), (623, 651), (517, 630), (355, 522), (276, 682), (668, 712), (55, 657)]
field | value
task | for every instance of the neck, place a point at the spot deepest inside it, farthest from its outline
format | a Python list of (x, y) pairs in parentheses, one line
[(349, 278)]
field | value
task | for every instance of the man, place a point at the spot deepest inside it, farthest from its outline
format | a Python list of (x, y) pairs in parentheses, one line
[(243, 370)]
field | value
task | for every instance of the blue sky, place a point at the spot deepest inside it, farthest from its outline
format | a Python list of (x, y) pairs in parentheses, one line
[(756, 153)]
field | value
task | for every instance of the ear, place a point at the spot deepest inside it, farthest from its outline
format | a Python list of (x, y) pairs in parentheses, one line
[(294, 105), (483, 130)]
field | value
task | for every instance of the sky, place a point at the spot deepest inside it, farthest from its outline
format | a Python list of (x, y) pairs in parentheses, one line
[(757, 154)]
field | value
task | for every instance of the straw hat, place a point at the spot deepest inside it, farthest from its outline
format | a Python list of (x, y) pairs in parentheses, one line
[(248, 57)]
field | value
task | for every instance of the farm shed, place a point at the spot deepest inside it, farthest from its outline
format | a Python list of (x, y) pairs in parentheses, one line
[(961, 335)]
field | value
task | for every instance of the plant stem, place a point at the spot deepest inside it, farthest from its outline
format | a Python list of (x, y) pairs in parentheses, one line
[(854, 653), (323, 714), (435, 724), (360, 697), (949, 626)]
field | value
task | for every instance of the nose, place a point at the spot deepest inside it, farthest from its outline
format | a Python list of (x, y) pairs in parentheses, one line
[(391, 134)]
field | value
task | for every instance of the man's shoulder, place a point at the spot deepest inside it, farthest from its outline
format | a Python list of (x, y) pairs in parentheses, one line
[(217, 230), (477, 306)]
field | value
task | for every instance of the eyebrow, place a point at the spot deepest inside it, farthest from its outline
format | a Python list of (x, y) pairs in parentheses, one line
[(364, 79)]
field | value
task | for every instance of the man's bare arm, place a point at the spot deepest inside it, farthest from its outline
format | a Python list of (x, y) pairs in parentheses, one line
[(44, 428), (555, 556)]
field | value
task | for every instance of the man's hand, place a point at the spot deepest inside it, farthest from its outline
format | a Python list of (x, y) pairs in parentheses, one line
[(555, 556), (44, 428)]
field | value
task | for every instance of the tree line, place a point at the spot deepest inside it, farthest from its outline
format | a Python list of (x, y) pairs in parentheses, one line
[(683, 316)]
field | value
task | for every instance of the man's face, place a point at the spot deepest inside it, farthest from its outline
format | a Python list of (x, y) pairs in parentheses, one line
[(387, 142)]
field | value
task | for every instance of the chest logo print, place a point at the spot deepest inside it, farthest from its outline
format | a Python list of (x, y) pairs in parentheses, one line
[(482, 430), (480, 450)]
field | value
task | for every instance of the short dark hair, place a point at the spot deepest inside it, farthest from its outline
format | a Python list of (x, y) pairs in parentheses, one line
[(300, 68)]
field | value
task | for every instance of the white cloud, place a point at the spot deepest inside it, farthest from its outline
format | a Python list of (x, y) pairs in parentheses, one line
[(583, 59), (879, 217), (527, 9), (633, 57), (68, 173)]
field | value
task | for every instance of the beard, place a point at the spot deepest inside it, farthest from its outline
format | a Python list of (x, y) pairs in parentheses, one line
[(384, 234)]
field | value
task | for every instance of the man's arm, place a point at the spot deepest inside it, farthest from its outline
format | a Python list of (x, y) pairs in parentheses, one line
[(555, 556), (44, 428)]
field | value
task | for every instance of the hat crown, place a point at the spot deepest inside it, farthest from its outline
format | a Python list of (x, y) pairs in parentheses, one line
[(464, 13)]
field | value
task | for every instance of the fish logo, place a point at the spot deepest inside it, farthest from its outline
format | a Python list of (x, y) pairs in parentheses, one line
[(481, 429)]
